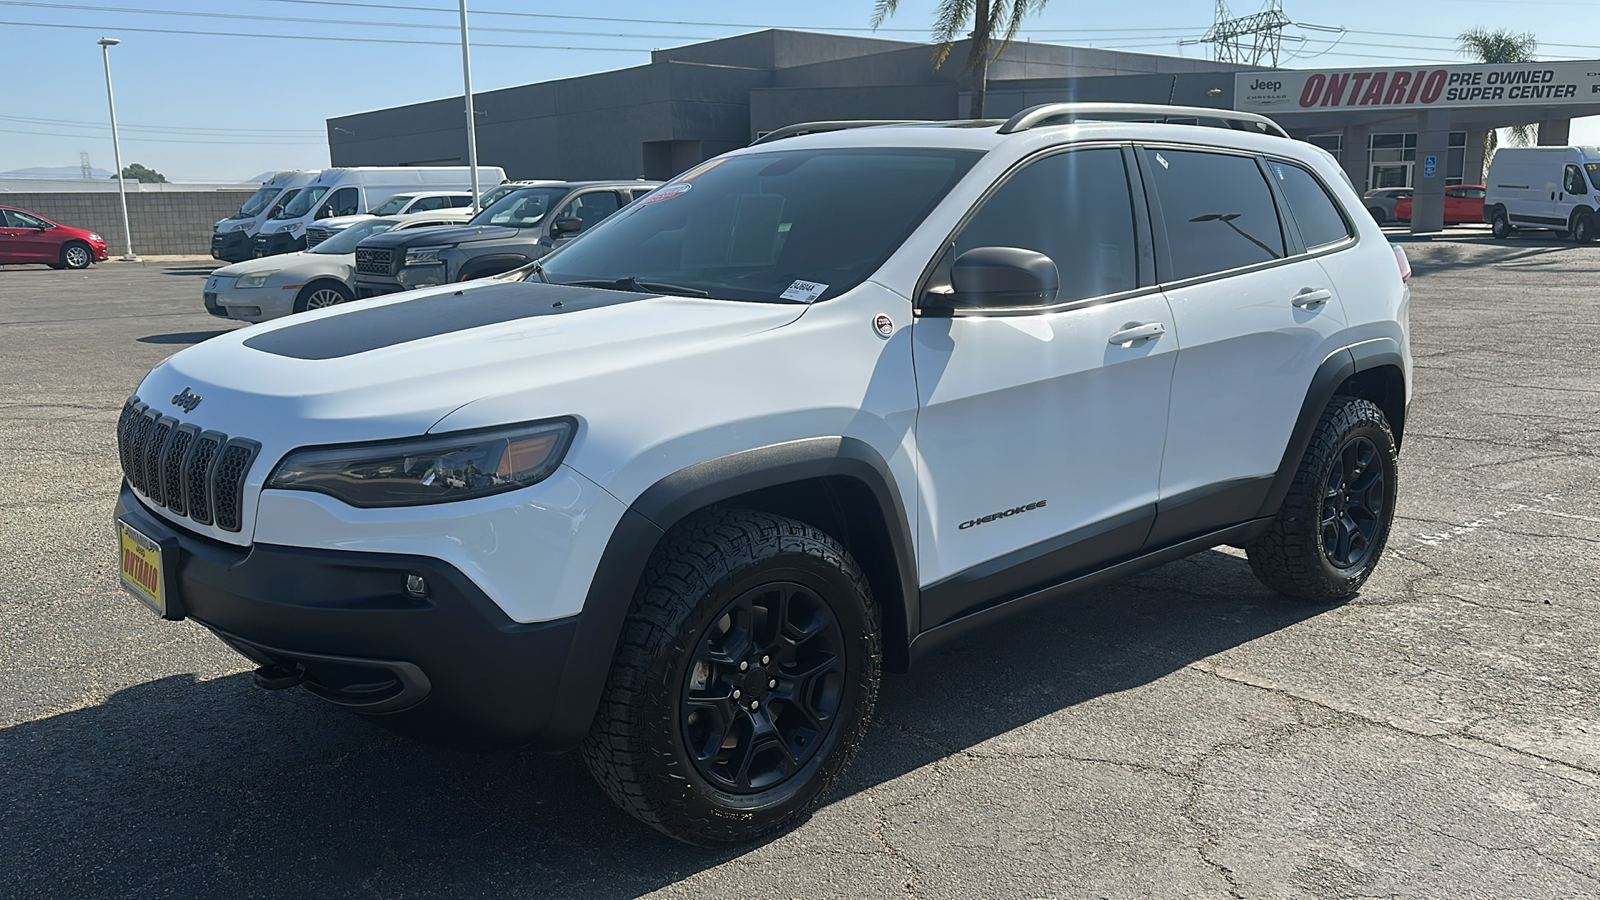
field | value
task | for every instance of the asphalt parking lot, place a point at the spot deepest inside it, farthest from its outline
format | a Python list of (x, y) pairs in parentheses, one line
[(1182, 734)]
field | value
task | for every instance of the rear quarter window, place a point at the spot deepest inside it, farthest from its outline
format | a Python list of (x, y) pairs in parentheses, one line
[(1315, 212)]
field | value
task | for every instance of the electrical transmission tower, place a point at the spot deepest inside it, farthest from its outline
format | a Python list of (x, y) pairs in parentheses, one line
[(1251, 40), (83, 165)]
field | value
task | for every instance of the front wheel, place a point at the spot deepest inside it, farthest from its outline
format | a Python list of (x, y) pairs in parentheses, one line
[(1583, 228), (1500, 225), (76, 255), (321, 294), (1335, 521), (744, 680)]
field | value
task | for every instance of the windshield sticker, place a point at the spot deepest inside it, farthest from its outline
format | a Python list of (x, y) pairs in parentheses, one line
[(804, 291), (666, 193)]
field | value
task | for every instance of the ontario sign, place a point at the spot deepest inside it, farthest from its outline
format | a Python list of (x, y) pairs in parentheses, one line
[(1420, 87)]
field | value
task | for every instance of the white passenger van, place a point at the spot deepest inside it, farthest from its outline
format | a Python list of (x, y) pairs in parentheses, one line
[(1554, 188), (351, 191), (231, 237)]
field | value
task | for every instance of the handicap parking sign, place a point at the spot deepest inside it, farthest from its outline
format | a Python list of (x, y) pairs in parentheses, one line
[(1430, 166)]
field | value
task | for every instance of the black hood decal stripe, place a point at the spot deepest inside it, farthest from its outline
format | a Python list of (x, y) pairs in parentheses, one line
[(361, 330)]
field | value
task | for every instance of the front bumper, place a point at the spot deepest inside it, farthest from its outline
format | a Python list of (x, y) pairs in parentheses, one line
[(448, 667), (276, 243), (366, 288), (258, 304), (235, 246)]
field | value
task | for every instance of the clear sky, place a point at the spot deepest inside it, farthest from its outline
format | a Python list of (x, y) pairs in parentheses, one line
[(231, 104)]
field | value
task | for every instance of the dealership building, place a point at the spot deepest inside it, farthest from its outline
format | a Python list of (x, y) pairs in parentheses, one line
[(1417, 126)]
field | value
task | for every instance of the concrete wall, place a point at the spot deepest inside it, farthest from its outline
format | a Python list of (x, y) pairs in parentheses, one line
[(163, 223)]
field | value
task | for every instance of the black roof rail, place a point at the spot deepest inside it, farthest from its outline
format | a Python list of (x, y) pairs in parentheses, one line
[(1065, 113), (820, 127)]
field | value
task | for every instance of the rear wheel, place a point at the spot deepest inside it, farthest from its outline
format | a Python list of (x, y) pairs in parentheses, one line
[(745, 678), (1378, 215), (321, 294), (1500, 225), (76, 255), (1335, 521)]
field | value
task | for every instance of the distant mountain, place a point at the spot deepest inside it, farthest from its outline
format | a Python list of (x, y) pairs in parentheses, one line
[(69, 173)]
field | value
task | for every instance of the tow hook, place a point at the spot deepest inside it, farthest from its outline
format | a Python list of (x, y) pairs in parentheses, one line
[(276, 677)]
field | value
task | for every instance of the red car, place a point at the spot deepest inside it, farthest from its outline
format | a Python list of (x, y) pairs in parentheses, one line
[(1463, 203), (27, 237)]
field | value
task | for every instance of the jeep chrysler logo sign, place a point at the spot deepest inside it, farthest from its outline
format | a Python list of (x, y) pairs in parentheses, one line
[(1519, 84)]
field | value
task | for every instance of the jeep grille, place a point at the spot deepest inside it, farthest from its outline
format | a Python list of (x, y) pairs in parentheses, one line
[(196, 474)]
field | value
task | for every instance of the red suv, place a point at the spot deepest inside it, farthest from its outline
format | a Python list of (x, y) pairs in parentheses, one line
[(27, 237)]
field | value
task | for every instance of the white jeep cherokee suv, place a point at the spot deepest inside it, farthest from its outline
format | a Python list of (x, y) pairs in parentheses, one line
[(678, 492)]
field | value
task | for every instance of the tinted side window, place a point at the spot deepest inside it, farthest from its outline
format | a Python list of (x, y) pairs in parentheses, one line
[(1314, 211), (1218, 211), (1573, 183), (429, 204), (1073, 207), (21, 219)]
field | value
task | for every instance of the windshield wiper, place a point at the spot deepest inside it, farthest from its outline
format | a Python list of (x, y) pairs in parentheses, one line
[(632, 283)]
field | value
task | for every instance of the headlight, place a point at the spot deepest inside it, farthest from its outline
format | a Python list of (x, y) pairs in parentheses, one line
[(250, 281), (296, 226), (432, 469), (96, 237), (424, 256)]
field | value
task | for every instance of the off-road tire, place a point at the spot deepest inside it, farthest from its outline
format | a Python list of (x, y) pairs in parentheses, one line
[(637, 749), (76, 255), (1499, 225), (1291, 557)]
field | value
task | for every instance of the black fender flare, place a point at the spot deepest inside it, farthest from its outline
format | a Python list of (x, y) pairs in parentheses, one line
[(680, 494), (474, 268), (1334, 371)]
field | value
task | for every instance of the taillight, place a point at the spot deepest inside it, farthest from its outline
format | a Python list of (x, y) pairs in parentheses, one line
[(1400, 258)]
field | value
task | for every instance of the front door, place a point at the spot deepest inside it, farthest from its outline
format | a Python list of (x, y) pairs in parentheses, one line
[(25, 239), (1040, 434), (1253, 314)]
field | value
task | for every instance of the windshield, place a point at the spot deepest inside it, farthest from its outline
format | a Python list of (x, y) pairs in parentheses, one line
[(523, 208), (805, 224), (392, 205), (257, 202), (285, 200), (303, 202), (345, 241), (490, 196)]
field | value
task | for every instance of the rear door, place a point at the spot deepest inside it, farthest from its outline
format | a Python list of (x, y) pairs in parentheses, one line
[(1039, 433), (12, 248), (1253, 314)]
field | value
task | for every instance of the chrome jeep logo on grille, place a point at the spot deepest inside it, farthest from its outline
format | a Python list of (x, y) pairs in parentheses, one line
[(187, 399)]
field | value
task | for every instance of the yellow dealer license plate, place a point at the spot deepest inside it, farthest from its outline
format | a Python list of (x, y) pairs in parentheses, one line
[(143, 570)]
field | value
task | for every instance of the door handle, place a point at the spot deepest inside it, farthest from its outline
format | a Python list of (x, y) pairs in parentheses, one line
[(1310, 298), (1134, 332)]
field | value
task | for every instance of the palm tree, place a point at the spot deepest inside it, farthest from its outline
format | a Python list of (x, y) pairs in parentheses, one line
[(988, 19), (1500, 46)]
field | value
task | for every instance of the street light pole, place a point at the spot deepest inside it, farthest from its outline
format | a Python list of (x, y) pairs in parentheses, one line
[(116, 146), (472, 119)]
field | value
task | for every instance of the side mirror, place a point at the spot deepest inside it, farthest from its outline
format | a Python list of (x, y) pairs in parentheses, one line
[(1002, 277), (565, 227)]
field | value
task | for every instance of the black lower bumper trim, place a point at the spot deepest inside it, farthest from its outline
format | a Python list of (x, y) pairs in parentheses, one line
[(448, 667)]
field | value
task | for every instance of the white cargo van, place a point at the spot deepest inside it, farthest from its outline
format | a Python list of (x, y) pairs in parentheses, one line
[(351, 191), (231, 237), (1554, 188)]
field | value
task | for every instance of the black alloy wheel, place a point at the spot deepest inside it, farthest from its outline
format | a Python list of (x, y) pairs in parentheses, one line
[(1355, 501), (764, 688)]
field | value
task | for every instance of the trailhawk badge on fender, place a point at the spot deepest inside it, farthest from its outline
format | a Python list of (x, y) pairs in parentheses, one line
[(884, 324)]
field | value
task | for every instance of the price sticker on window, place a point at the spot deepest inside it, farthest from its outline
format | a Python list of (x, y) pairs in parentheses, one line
[(804, 291)]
